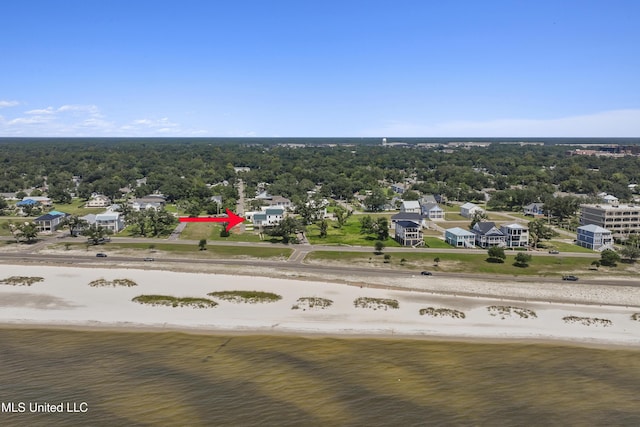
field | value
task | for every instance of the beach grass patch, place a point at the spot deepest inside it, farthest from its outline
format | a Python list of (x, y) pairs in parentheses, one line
[(310, 303), (21, 280), (250, 297), (442, 312), (507, 311), (588, 321), (376, 303), (112, 283), (169, 301)]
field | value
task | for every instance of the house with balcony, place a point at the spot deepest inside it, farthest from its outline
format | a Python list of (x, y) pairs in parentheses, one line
[(487, 235), (432, 211), (408, 233), (113, 221), (49, 222), (594, 237), (98, 201), (459, 237), (516, 235)]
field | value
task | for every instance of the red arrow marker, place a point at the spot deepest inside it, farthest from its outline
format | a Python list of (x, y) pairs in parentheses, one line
[(232, 220)]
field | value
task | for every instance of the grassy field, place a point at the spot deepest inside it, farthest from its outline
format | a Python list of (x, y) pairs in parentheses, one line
[(473, 263), (212, 251), (564, 246), (210, 231), (76, 208), (349, 234)]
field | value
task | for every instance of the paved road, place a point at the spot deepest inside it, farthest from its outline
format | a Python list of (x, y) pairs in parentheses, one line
[(292, 264)]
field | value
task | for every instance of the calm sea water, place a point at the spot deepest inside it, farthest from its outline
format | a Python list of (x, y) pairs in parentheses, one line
[(179, 379)]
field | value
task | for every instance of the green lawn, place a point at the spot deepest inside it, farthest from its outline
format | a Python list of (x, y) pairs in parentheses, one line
[(565, 247), (471, 263), (349, 234), (209, 231), (76, 208), (212, 251)]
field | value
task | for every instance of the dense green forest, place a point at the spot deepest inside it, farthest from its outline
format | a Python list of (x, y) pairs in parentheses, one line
[(182, 170)]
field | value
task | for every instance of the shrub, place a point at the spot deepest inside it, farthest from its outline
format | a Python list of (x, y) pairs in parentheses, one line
[(312, 302), (251, 297), (376, 303), (21, 280), (169, 301)]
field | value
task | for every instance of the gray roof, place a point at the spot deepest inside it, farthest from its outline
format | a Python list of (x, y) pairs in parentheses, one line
[(407, 216), (593, 228), (431, 206), (408, 224), (484, 228), (457, 231)]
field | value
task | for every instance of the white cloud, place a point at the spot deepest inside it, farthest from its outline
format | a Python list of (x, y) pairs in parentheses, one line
[(617, 123), (5, 104), (77, 120)]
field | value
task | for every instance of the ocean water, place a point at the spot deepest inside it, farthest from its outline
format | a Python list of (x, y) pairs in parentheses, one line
[(144, 378)]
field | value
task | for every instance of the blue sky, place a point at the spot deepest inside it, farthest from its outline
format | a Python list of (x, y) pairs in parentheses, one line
[(320, 68)]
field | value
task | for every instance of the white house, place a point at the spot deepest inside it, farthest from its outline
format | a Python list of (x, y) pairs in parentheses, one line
[(432, 211), (516, 235), (98, 201), (113, 221), (469, 209), (410, 206), (266, 218)]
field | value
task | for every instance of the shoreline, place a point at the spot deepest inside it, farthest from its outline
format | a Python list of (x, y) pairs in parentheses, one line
[(64, 301)]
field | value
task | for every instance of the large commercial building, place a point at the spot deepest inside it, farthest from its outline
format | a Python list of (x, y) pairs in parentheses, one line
[(619, 219)]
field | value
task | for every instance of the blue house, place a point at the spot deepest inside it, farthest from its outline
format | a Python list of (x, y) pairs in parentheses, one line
[(594, 237), (459, 237)]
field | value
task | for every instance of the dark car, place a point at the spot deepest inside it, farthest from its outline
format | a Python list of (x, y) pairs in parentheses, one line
[(426, 273), (554, 252), (101, 255), (570, 278)]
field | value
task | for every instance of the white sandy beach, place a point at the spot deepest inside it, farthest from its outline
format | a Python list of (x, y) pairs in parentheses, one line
[(64, 298)]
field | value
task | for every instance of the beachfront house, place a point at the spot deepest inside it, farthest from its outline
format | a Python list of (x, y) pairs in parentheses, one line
[(594, 237), (516, 235), (487, 234), (408, 233), (113, 221), (459, 237), (49, 222)]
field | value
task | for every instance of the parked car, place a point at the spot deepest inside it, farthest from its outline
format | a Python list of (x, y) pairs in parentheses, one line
[(554, 252), (426, 273), (149, 259), (570, 278), (101, 255)]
